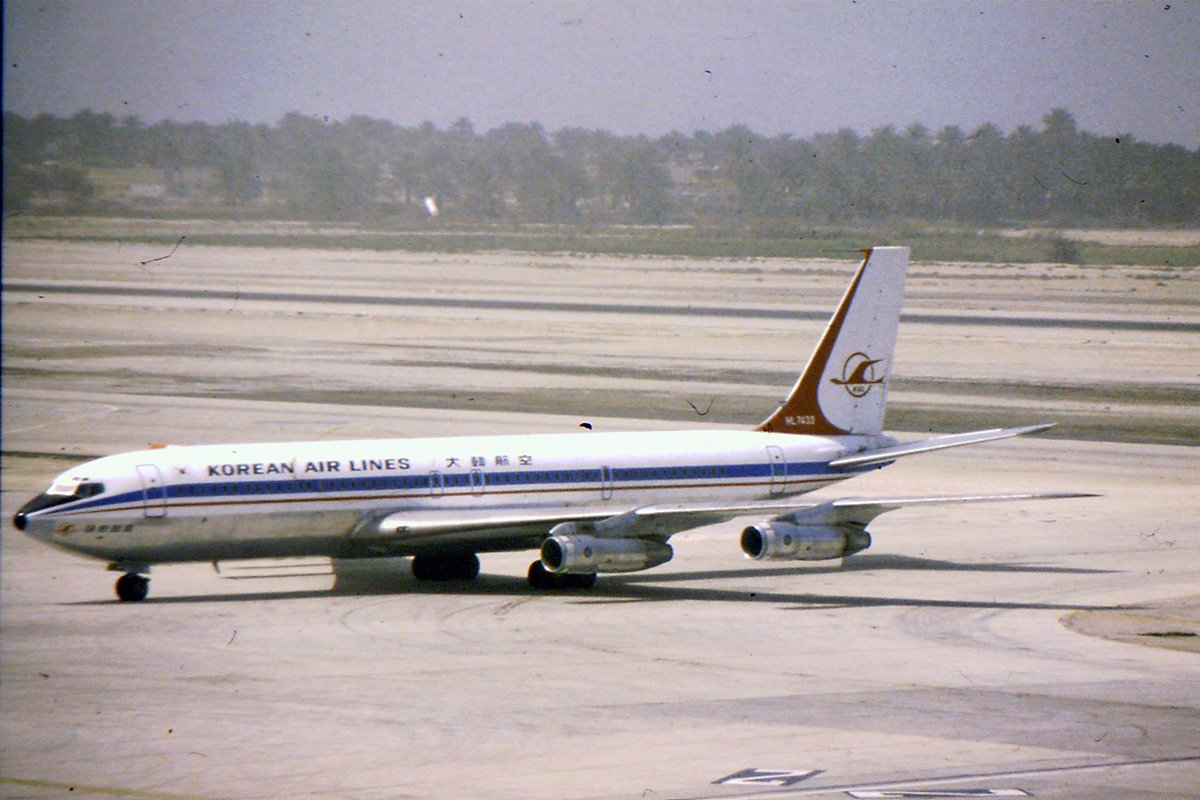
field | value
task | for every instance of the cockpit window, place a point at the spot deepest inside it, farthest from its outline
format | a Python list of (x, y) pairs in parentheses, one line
[(76, 491), (57, 495)]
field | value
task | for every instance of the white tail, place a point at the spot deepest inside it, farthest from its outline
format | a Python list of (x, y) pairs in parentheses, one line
[(843, 390)]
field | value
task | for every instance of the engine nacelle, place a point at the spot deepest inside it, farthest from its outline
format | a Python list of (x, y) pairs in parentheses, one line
[(583, 555), (780, 540)]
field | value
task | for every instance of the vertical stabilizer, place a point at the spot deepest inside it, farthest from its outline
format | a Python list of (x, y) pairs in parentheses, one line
[(843, 389)]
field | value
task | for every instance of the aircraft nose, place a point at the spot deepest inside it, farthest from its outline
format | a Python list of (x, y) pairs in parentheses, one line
[(21, 518)]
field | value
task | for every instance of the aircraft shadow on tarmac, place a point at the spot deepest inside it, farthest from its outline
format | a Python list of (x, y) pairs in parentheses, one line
[(859, 563), (391, 577)]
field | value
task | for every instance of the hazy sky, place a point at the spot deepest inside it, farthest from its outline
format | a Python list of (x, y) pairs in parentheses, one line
[(629, 67)]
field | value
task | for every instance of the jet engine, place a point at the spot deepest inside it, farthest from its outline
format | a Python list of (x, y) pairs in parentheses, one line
[(578, 555), (784, 540)]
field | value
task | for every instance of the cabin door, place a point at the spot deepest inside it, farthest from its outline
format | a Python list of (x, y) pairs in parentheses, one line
[(778, 469), (154, 493)]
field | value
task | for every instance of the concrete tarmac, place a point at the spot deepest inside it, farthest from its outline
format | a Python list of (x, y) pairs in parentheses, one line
[(954, 656)]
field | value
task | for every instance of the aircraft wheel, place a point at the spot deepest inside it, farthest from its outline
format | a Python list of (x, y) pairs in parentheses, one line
[(541, 578), (459, 567), (422, 568), (132, 587), (467, 567), (585, 581)]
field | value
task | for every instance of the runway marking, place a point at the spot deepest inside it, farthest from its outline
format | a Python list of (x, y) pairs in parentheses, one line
[(767, 777), (402, 301), (111, 791), (59, 422), (72, 456), (918, 782), (901, 794)]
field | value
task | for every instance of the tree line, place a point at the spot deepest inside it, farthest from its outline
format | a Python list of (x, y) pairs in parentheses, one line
[(370, 170)]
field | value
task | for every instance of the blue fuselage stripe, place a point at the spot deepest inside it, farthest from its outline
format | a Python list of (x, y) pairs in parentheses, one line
[(426, 483)]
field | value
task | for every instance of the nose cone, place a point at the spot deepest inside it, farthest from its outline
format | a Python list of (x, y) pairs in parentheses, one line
[(21, 518)]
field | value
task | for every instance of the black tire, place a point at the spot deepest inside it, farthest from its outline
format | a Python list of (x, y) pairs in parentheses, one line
[(466, 567), (457, 567), (422, 568), (584, 581), (133, 588), (539, 577)]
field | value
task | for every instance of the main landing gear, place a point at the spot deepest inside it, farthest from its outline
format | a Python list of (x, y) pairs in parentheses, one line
[(541, 578), (132, 587), (465, 567), (457, 567)]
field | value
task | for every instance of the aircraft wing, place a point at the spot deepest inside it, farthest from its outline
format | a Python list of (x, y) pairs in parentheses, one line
[(496, 528), (657, 521), (936, 443), (863, 510), (418, 525)]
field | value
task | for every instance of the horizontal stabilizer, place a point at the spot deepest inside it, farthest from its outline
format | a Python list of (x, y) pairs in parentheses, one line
[(936, 443)]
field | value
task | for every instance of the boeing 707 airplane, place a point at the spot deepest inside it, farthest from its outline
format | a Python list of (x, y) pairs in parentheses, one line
[(590, 503)]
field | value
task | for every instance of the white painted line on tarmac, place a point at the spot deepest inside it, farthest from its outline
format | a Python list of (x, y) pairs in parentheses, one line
[(916, 783)]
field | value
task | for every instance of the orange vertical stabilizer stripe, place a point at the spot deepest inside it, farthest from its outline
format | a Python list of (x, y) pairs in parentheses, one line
[(801, 411)]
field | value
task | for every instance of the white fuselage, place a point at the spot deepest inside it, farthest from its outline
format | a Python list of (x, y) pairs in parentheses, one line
[(204, 503)]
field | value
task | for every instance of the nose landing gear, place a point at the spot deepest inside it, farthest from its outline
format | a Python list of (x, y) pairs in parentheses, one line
[(133, 586)]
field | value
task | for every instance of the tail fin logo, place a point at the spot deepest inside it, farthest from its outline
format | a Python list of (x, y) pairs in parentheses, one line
[(858, 374)]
